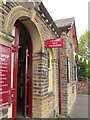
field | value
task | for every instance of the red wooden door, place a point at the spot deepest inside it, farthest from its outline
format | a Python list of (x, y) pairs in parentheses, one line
[(27, 80), (28, 74), (15, 71)]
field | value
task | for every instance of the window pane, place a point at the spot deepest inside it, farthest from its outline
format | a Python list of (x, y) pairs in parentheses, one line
[(28, 68), (68, 70)]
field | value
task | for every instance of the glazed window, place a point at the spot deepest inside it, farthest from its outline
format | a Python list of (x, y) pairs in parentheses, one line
[(68, 70), (75, 72), (49, 70)]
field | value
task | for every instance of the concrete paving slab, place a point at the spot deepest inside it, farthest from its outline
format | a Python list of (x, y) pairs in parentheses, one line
[(80, 108)]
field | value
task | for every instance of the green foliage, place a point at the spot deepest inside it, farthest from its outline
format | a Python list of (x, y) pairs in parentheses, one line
[(84, 46), (81, 69), (69, 116), (88, 70), (58, 116)]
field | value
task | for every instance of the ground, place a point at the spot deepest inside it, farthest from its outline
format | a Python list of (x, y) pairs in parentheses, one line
[(81, 107)]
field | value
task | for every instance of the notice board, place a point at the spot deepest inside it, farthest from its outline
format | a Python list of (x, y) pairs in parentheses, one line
[(54, 43), (5, 76)]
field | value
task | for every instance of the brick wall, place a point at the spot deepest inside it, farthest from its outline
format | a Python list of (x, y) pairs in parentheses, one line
[(45, 104), (67, 97), (50, 108)]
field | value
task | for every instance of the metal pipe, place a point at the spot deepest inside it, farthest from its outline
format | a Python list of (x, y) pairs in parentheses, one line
[(60, 110)]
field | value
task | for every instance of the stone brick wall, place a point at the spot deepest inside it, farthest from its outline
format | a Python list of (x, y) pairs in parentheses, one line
[(71, 96), (40, 87), (45, 103), (64, 94), (50, 104), (67, 97), (4, 39), (72, 84), (50, 107)]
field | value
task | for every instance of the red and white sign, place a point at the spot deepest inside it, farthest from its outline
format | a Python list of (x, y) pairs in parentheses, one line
[(53, 43), (5, 77), (83, 84)]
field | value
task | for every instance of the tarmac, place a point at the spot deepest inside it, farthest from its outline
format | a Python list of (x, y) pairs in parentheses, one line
[(81, 107)]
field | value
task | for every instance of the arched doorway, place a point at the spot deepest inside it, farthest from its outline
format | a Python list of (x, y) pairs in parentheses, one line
[(22, 77), (30, 22)]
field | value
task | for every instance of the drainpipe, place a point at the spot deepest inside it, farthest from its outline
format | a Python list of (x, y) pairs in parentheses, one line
[(60, 112)]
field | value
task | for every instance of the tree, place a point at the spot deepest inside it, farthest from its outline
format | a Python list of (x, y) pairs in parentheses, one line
[(83, 45), (83, 69)]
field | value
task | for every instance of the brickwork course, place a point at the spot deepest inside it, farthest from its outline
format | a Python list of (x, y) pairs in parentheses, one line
[(41, 27)]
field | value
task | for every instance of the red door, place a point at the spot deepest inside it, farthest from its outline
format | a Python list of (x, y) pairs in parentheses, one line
[(28, 73), (15, 71), (27, 80)]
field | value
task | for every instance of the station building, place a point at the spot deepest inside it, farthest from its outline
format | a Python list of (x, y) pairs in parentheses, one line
[(68, 63), (29, 72)]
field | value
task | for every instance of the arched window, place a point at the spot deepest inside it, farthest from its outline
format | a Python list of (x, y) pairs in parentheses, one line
[(49, 69)]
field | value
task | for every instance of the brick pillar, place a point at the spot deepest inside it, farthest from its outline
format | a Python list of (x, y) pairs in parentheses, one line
[(64, 92), (40, 86), (55, 86)]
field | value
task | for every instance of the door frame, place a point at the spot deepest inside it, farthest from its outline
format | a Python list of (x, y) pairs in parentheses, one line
[(15, 69)]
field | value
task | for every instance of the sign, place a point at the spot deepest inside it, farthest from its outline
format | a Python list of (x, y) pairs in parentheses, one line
[(5, 76), (53, 43), (83, 84)]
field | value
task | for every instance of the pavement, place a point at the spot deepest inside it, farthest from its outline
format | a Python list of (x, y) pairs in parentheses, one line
[(80, 108), (83, 89)]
